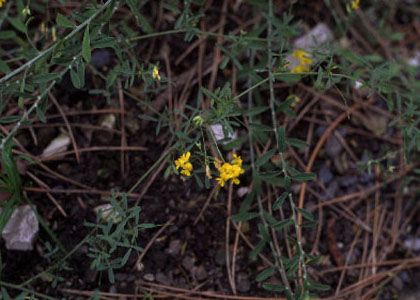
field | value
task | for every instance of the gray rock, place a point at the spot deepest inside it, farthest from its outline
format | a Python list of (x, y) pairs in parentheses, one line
[(200, 273), (21, 230), (325, 174), (242, 282), (174, 247)]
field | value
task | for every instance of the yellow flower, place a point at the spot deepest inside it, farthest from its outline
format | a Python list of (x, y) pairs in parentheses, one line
[(183, 163), (155, 72), (304, 61), (2, 2), (355, 4), (229, 171)]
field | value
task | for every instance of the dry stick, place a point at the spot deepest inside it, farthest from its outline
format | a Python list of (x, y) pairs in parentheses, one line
[(235, 250), (315, 152), (251, 246), (76, 191), (349, 254), (209, 294), (177, 294), (406, 261), (79, 125), (217, 52), (366, 192), (227, 239), (38, 162), (206, 204), (66, 121), (123, 162), (152, 240), (44, 185), (59, 155)]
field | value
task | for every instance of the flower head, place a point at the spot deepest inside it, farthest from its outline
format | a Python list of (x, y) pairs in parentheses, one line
[(304, 61), (229, 171), (184, 164), (2, 2), (355, 4), (155, 72)]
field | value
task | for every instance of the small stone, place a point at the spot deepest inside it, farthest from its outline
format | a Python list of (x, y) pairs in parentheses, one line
[(162, 278), (174, 247), (333, 146), (21, 229), (200, 273), (149, 277), (412, 244), (397, 283), (57, 145), (242, 282), (219, 133), (242, 191), (314, 38), (220, 257), (325, 175), (188, 263)]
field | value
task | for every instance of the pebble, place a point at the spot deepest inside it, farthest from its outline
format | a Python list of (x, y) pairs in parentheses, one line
[(188, 263), (149, 277), (174, 247), (242, 282), (325, 174), (200, 273)]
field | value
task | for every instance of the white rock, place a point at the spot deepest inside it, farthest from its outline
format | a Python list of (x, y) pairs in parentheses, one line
[(106, 212), (315, 37), (415, 60), (219, 135), (412, 244), (109, 121), (21, 230), (242, 191), (57, 145)]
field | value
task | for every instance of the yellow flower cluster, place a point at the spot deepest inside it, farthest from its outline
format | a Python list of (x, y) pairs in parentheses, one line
[(304, 61), (155, 72), (2, 2), (229, 171), (355, 4), (183, 162)]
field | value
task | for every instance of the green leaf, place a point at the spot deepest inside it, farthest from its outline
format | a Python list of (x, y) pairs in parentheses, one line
[(306, 214), (18, 24), (63, 21), (281, 224), (280, 200), (75, 79), (86, 50), (255, 111), (265, 274), (297, 143), (273, 179), (257, 250), (7, 34), (304, 177), (244, 216), (42, 78), (4, 68), (264, 158), (273, 287), (281, 135), (315, 286)]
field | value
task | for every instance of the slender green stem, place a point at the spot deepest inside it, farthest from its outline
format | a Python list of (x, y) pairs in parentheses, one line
[(19, 288), (49, 50), (279, 262)]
